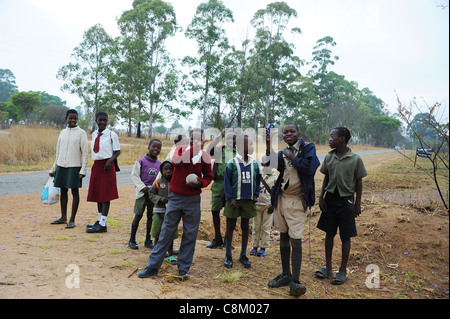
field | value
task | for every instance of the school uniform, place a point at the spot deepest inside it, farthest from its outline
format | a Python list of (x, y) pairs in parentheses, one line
[(71, 158), (342, 173), (103, 184), (263, 220), (242, 182), (294, 189), (217, 188)]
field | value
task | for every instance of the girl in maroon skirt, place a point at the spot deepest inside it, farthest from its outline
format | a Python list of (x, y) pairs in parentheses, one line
[(105, 149)]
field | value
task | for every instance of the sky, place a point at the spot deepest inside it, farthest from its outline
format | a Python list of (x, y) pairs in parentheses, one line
[(398, 47)]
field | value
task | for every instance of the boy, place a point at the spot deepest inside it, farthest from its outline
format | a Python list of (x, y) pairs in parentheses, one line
[(217, 188), (242, 185), (158, 194), (143, 175), (293, 192), (343, 172), (184, 203), (263, 221)]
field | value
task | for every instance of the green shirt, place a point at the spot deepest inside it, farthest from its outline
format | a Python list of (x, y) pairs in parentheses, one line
[(343, 172)]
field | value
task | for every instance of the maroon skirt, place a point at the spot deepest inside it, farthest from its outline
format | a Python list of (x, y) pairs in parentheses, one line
[(103, 184)]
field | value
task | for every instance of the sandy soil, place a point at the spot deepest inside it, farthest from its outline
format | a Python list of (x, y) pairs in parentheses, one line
[(38, 259)]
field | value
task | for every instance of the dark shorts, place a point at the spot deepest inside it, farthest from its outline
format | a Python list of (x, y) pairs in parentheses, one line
[(340, 214)]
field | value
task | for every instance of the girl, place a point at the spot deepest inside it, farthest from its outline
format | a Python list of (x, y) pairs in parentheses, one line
[(103, 184), (143, 175), (70, 165), (292, 193)]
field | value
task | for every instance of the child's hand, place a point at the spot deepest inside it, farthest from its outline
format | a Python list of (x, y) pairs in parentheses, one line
[(82, 176), (255, 199), (270, 210), (51, 174), (322, 204), (357, 210), (108, 165), (145, 190), (164, 200), (196, 184), (288, 153), (233, 204)]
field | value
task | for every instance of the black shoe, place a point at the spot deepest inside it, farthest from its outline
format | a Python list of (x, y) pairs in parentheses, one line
[(149, 243), (97, 228), (183, 276), (91, 225), (244, 260), (280, 281), (147, 272), (215, 243), (228, 263), (296, 289), (132, 245)]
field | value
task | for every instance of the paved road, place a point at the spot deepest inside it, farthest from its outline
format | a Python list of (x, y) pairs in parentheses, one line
[(25, 183)]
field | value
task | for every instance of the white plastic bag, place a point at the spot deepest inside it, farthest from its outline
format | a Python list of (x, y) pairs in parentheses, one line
[(50, 194)]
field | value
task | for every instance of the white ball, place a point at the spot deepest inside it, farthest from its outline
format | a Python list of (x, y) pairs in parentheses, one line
[(191, 178)]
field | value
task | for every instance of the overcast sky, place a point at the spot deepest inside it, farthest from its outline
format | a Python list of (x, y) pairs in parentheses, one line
[(387, 46)]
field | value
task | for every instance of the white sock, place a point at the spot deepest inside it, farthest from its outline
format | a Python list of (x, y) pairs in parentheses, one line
[(99, 217), (103, 221)]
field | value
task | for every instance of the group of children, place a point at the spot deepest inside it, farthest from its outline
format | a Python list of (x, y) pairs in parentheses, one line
[(244, 188)]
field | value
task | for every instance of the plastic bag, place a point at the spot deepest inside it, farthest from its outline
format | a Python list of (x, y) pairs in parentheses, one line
[(50, 194)]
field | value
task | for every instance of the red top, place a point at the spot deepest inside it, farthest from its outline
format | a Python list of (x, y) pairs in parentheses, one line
[(183, 166)]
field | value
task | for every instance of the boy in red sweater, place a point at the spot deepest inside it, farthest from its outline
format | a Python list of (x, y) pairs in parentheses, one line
[(184, 203)]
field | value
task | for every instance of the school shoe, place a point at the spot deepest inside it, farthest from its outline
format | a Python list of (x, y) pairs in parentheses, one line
[(149, 243), (296, 289), (228, 263), (280, 281), (147, 272), (133, 245), (91, 225), (215, 243), (97, 228), (244, 260)]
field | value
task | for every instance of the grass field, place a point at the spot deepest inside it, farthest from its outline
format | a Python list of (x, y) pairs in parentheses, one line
[(32, 148)]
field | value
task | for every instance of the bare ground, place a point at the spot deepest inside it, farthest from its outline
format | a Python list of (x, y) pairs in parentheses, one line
[(410, 249)]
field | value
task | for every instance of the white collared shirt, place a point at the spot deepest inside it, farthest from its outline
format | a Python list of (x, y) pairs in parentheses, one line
[(241, 159), (109, 142)]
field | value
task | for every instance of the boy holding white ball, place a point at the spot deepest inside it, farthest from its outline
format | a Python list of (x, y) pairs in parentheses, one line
[(184, 203)]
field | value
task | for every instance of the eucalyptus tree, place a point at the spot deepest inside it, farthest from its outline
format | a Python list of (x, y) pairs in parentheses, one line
[(87, 75), (206, 28), (144, 31), (274, 65)]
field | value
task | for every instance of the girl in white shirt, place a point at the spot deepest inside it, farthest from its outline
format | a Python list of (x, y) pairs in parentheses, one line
[(70, 166), (103, 184)]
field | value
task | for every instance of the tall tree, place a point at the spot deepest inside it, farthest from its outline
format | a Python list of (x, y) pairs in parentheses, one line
[(7, 84), (272, 59), (87, 75), (147, 26), (206, 28), (27, 103)]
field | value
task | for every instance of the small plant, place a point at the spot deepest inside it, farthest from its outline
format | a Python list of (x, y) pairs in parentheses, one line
[(230, 277)]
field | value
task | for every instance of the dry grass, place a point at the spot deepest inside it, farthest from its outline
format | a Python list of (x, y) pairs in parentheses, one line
[(32, 148)]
